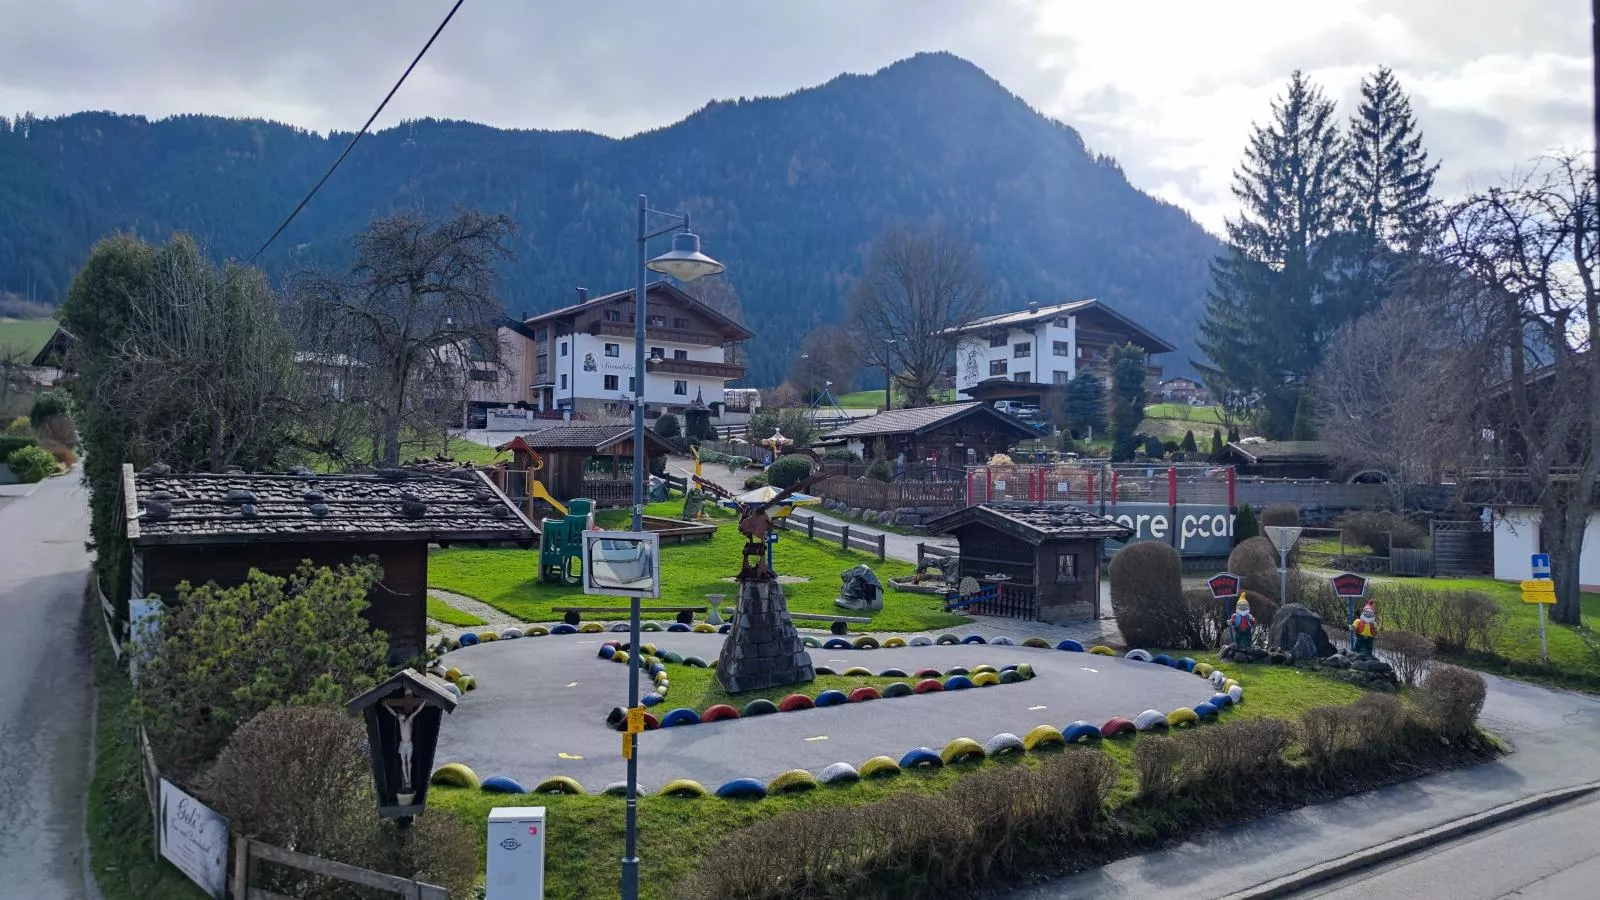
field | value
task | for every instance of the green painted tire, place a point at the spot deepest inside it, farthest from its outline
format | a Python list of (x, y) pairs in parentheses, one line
[(704, 628), (694, 662), (866, 642), (858, 672), (1204, 670), (535, 631), (894, 642), (1102, 650), (1040, 643), (957, 670), (948, 639), (810, 641), (1025, 671), (897, 689), (822, 670), (758, 707), (591, 628)]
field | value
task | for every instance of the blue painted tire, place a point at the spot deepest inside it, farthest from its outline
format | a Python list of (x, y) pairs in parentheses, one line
[(1070, 645), (501, 784), (1010, 676), (606, 650), (897, 689), (957, 683), (973, 639), (677, 627), (656, 669), (564, 628), (1187, 664), (1003, 641), (468, 639), (1081, 731), (831, 698), (921, 758), (1162, 659), (947, 639), (1205, 711), (680, 716), (1009, 667), (837, 644), (652, 699), (742, 789), (921, 640), (1220, 701)]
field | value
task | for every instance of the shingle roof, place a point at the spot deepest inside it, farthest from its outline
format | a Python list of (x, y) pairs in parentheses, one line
[(728, 326), (1035, 523), (207, 508), (587, 437), (1154, 343), (926, 418), (1283, 451)]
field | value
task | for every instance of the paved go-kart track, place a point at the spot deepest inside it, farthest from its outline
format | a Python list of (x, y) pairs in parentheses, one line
[(541, 703)]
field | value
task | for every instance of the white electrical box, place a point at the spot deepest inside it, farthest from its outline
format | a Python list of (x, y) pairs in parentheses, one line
[(516, 853)]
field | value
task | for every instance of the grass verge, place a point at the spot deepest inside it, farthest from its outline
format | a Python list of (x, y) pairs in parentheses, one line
[(440, 611), (1574, 652), (698, 688)]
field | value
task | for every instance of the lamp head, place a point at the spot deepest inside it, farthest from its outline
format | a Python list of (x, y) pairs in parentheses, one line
[(684, 261)]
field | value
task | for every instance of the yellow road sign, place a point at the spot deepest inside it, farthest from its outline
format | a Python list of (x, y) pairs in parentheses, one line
[(1541, 597), (627, 746), (1539, 586), (636, 720)]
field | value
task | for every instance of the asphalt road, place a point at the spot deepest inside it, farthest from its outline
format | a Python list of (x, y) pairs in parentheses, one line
[(1549, 856), (45, 692)]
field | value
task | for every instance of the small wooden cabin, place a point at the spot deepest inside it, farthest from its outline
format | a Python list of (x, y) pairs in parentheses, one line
[(202, 527), (948, 434), (593, 461), (1045, 558)]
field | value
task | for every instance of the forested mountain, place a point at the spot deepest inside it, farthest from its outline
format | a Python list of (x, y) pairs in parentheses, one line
[(787, 191)]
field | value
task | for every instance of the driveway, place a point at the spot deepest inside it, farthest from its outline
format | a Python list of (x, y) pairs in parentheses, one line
[(46, 703)]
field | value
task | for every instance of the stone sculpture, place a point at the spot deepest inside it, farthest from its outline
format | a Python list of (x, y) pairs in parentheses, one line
[(1294, 621)]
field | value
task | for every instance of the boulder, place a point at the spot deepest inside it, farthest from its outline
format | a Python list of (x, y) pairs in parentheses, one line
[(1304, 647), (1293, 621)]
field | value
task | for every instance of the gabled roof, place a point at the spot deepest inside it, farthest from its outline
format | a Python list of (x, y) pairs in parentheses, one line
[(588, 437), (55, 349), (1152, 342), (1281, 451), (924, 419), (209, 508), (659, 290), (1035, 523)]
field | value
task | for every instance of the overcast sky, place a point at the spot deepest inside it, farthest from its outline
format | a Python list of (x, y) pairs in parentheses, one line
[(1168, 87)]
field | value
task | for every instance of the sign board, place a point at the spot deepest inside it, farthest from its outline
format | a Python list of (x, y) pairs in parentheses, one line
[(195, 839), (1539, 591), (635, 719), (1283, 536), (1541, 565), (1224, 585), (622, 563), (1202, 529), (1349, 585)]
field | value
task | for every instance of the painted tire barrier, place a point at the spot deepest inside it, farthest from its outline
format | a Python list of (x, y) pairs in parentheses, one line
[(830, 698), (1116, 727), (1217, 678), (947, 639), (1041, 736), (742, 789), (1001, 744), (724, 628), (957, 683), (928, 686), (535, 631), (619, 656), (452, 673), (702, 628), (864, 693), (1004, 641), (889, 643), (502, 784), (651, 723), (671, 657), (685, 788), (606, 650), (810, 641), (620, 789), (1150, 719), (650, 626), (487, 636), (823, 670), (564, 628), (897, 689), (1162, 659), (652, 699), (1081, 731), (979, 670), (453, 689), (973, 639), (1220, 701), (694, 662), (560, 784), (1037, 643), (468, 639), (1205, 711), (1010, 676), (1182, 716), (893, 673), (1229, 684), (958, 670), (1102, 650), (1187, 664), (928, 673), (677, 627), (794, 702), (921, 758), (467, 683), (1236, 694), (758, 707), (1070, 645), (880, 767), (836, 644), (716, 713), (839, 773), (865, 642), (794, 781), (1025, 670), (619, 627), (455, 775), (591, 628), (921, 640), (1137, 655), (961, 750), (858, 672), (985, 679), (510, 634), (680, 716)]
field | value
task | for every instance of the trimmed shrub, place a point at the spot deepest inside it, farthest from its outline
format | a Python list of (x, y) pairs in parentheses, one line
[(755, 481), (789, 470), (1222, 760), (1374, 729), (11, 443), (1244, 524), (1452, 697), (1147, 596), (47, 406), (1409, 653), (1189, 445), (1455, 620), (31, 464), (1373, 528), (880, 470), (1256, 563), (668, 426), (841, 454), (1285, 515)]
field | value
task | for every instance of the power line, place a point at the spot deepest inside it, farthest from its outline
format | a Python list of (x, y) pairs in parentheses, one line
[(357, 136)]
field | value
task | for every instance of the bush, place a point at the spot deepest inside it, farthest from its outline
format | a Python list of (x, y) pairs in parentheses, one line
[(841, 454), (1410, 654), (1374, 527), (31, 464), (1153, 447), (226, 654), (11, 443), (61, 452), (1374, 729), (58, 430), (1244, 524), (789, 470), (880, 470), (1188, 445), (19, 426), (1452, 697), (1255, 561), (1225, 758), (1285, 515), (1456, 620), (1147, 596), (1204, 616), (47, 406), (668, 426), (755, 481)]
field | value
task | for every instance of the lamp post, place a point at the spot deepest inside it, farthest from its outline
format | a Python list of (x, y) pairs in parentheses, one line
[(684, 262)]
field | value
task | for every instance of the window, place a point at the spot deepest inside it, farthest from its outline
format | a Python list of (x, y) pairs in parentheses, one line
[(997, 367), (541, 364), (483, 375), (563, 346), (613, 349), (1061, 348), (613, 315), (1020, 376), (633, 385), (681, 388), (611, 382), (1066, 568), (656, 321), (1022, 350), (1060, 377), (680, 322), (1063, 322), (563, 381), (997, 340), (680, 354), (657, 353)]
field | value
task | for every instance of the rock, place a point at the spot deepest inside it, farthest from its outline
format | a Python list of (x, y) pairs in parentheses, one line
[(1293, 620), (855, 512), (238, 495), (908, 519), (1244, 654), (1304, 647)]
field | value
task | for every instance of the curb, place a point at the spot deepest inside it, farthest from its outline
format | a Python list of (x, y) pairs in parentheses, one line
[(1439, 834)]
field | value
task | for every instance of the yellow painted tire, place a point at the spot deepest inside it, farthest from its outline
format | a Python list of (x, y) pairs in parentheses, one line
[(985, 679), (683, 788), (977, 670), (880, 767), (857, 672), (487, 636), (455, 775), (1102, 650), (1043, 736), (704, 628), (1204, 670), (961, 750), (793, 781), (536, 631), (1228, 685), (649, 649), (1039, 643), (591, 628), (452, 673), (560, 784), (467, 683), (619, 657), (894, 642), (1183, 715)]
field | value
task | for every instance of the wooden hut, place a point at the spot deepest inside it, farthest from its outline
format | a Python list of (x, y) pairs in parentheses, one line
[(948, 434), (593, 461), (1043, 559), (205, 527)]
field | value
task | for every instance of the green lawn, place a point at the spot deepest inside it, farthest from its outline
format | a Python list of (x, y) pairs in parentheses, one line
[(1574, 652), (697, 688), (441, 611), (25, 335), (1183, 412), (508, 580), (874, 399)]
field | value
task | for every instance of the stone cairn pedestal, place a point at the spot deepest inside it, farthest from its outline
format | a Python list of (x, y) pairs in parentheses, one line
[(763, 648)]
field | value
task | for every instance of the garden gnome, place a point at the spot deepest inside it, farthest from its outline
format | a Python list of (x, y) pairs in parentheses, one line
[(1242, 624), (1364, 629)]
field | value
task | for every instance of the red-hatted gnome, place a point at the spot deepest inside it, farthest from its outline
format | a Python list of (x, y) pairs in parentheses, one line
[(1364, 630), (1242, 624)]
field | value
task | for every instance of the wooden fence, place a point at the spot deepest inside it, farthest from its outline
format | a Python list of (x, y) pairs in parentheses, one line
[(880, 495), (828, 531), (247, 852)]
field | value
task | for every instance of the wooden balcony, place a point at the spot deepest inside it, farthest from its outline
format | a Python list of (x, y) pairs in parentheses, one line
[(661, 366), (665, 335)]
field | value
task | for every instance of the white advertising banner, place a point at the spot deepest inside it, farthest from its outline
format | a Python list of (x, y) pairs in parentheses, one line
[(195, 839)]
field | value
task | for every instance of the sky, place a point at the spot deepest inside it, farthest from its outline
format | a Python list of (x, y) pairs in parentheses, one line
[(1168, 87)]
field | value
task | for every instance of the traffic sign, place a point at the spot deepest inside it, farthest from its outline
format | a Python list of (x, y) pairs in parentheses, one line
[(635, 719), (1541, 565), (1223, 585), (1539, 591)]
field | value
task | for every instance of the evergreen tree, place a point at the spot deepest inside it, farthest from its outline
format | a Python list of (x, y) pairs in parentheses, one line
[(1233, 435), (1265, 322), (1127, 400), (1304, 425), (1389, 178), (1085, 405), (1216, 442), (1188, 445), (1244, 524)]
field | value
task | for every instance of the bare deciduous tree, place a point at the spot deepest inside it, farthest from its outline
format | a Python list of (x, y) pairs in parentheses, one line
[(917, 286), (417, 308), (829, 355), (719, 294)]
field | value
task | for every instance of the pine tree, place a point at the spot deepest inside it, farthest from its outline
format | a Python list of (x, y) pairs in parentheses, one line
[(1188, 445), (1304, 426), (1265, 322), (1244, 524), (1389, 179), (1233, 435), (1127, 400), (1216, 442), (1085, 405)]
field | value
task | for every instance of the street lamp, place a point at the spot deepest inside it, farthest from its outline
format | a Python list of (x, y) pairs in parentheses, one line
[(684, 262)]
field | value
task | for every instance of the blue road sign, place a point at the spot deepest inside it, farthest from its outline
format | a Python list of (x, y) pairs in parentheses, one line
[(1541, 565)]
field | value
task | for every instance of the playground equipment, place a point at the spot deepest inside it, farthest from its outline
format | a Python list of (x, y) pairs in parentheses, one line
[(561, 542)]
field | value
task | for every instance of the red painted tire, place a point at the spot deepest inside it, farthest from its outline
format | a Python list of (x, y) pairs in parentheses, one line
[(794, 702), (863, 694), (1116, 726), (719, 712), (928, 686)]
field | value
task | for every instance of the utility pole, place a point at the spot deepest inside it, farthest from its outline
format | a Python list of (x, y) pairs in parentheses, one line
[(888, 376)]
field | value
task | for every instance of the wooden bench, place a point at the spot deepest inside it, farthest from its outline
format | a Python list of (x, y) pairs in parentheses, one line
[(572, 614), (840, 624)]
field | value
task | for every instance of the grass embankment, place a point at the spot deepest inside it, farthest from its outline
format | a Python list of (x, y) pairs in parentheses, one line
[(440, 611), (697, 688), (121, 840), (508, 580), (28, 336), (585, 838), (1574, 652)]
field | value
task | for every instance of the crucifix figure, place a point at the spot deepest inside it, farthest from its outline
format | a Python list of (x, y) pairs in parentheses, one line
[(404, 710)]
